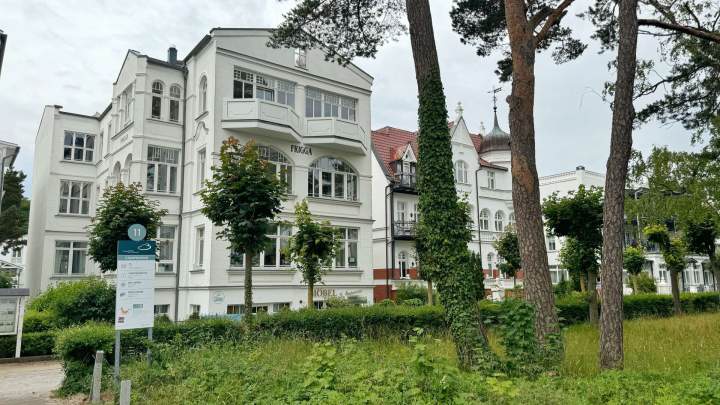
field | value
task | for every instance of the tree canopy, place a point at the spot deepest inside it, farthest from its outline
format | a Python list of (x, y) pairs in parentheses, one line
[(120, 206), (15, 211), (508, 248)]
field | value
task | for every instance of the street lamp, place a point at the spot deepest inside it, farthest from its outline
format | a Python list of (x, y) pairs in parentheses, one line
[(3, 41)]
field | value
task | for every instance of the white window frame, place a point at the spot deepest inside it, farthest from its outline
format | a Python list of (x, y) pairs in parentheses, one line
[(461, 172), (200, 246), (263, 87), (160, 158), (161, 309), (165, 262), (201, 168), (157, 91), (349, 180), (320, 103), (280, 240), (491, 179), (195, 309), (301, 58), (175, 96), (73, 249), (499, 221), (349, 239), (552, 242), (490, 260), (82, 199), (202, 99), (403, 264), (283, 165), (484, 220), (86, 152)]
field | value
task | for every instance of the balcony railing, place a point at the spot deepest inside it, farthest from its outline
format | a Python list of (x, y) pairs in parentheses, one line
[(336, 133), (406, 181), (404, 229), (260, 117)]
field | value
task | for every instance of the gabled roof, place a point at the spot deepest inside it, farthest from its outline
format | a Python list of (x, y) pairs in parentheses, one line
[(389, 143)]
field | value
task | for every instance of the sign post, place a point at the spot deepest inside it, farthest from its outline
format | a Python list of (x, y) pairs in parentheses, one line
[(12, 311), (135, 292)]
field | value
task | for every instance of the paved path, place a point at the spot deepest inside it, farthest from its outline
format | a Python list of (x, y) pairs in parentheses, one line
[(29, 383)]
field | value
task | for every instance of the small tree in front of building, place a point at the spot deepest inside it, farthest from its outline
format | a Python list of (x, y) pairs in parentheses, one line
[(673, 251), (312, 248), (509, 249), (121, 205), (634, 260), (243, 197)]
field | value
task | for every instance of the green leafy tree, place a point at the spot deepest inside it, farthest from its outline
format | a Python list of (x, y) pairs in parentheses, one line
[(120, 206), (673, 251), (528, 27), (634, 261), (312, 248), (15, 211), (6, 280), (700, 237), (243, 198), (508, 248), (579, 261), (345, 29), (579, 216)]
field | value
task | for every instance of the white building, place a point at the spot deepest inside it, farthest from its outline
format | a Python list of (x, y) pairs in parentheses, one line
[(696, 277), (164, 128), (482, 175)]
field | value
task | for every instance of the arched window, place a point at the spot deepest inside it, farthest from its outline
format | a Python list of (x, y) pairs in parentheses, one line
[(461, 173), (403, 264), (330, 177), (203, 94), (490, 260), (175, 94), (499, 221), (278, 163), (157, 93), (511, 219), (484, 219)]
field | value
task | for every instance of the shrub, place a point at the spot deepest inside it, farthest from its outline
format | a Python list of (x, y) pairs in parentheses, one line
[(33, 344), (411, 291), (645, 283), (74, 303), (413, 302), (80, 343), (338, 302), (35, 321), (563, 288)]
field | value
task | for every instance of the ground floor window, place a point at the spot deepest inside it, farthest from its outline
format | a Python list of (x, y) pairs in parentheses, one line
[(282, 306), (70, 257), (162, 309), (557, 275), (194, 310)]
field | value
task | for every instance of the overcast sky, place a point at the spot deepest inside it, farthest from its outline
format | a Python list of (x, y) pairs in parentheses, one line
[(70, 52)]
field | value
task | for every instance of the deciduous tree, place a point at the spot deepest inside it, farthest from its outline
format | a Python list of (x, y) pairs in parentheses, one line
[(634, 261), (529, 26), (121, 205), (348, 28), (673, 251), (312, 248), (508, 248), (243, 198), (15, 211)]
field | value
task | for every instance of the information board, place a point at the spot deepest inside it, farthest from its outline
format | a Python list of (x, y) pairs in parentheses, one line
[(8, 315), (135, 294)]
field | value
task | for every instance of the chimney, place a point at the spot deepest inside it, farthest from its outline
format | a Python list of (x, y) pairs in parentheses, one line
[(172, 55)]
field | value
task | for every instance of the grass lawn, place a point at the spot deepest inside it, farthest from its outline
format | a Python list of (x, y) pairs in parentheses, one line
[(668, 361)]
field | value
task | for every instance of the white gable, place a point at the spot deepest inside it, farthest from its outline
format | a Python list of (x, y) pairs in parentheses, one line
[(460, 133), (409, 155)]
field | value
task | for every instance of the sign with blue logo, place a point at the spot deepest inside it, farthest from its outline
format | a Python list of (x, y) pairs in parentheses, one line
[(135, 291)]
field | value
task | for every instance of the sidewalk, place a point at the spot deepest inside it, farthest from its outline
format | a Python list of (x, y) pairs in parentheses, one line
[(29, 383)]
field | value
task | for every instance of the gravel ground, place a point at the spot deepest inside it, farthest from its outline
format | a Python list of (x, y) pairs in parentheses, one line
[(30, 383)]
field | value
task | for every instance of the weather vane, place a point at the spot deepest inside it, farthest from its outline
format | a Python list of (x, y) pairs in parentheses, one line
[(495, 91)]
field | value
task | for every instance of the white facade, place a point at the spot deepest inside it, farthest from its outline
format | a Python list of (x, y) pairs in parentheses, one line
[(482, 176), (164, 129), (696, 277)]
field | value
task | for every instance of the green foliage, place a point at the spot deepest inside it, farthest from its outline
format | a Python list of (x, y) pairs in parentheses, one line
[(36, 321), (15, 211), (411, 291), (700, 236), (482, 23), (77, 302), (509, 249), (578, 215), (634, 260), (645, 283), (120, 206), (33, 344), (658, 234), (413, 302), (81, 342), (563, 288), (242, 198), (6, 280), (312, 247), (578, 259)]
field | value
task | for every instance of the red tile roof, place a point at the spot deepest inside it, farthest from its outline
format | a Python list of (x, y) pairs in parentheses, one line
[(389, 144)]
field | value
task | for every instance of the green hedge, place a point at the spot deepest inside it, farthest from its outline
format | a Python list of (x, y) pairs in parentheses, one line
[(33, 344)]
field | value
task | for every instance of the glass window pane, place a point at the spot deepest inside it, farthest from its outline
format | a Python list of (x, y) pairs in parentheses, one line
[(326, 184), (173, 179), (151, 177), (90, 142), (67, 154), (339, 185), (340, 256), (75, 190), (248, 90), (78, 262), (270, 250), (88, 156), (351, 187), (74, 206), (68, 139), (162, 177), (85, 207), (64, 188), (352, 254), (79, 140), (63, 205), (353, 234), (78, 154), (62, 259), (284, 256)]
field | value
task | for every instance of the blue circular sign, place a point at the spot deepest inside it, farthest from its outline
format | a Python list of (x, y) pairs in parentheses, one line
[(137, 232)]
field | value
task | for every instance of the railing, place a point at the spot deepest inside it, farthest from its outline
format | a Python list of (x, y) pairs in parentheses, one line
[(405, 180), (404, 229)]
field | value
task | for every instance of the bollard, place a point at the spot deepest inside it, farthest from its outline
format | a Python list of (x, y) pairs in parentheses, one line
[(125, 392), (97, 377)]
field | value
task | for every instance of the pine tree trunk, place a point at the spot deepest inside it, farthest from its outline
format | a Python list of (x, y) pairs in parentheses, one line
[(592, 298), (444, 238), (310, 290), (525, 185), (248, 286), (611, 318), (429, 292), (675, 289)]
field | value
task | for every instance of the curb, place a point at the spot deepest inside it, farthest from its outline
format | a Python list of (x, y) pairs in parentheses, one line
[(28, 359)]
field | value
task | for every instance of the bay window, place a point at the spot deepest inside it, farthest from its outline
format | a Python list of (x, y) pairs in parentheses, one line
[(252, 85), (70, 257), (74, 197), (162, 169), (346, 255), (330, 177), (78, 146), (319, 103)]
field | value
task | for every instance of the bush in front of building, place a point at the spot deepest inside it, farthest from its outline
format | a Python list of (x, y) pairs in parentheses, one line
[(411, 291), (33, 344), (77, 302), (36, 321), (645, 284)]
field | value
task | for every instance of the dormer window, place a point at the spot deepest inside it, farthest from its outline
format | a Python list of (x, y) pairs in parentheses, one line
[(301, 58)]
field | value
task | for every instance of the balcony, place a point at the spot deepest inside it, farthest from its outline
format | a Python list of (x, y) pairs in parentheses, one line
[(405, 182), (262, 118), (336, 133), (404, 230)]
